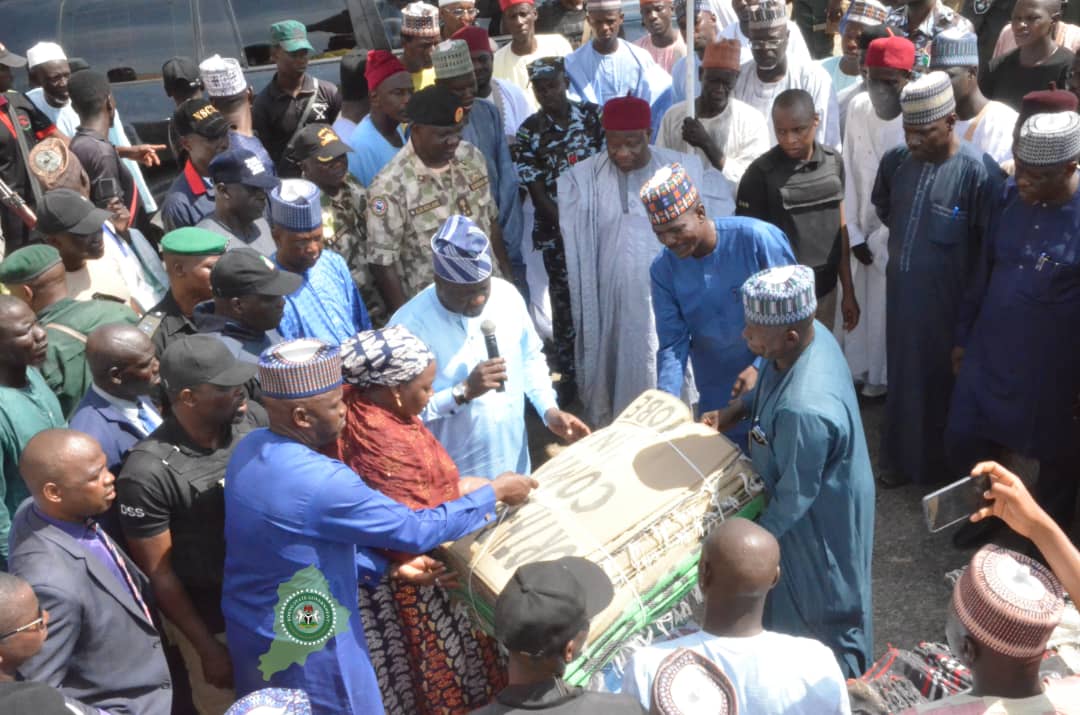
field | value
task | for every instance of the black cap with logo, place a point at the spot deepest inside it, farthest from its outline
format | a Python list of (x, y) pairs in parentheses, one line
[(546, 604), (10, 59), (180, 74), (202, 360), (244, 271), (319, 141), (198, 116)]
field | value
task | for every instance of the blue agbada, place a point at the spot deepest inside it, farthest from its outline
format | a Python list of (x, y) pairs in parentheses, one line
[(699, 313), (1020, 325), (937, 216), (484, 130), (294, 520), (327, 306), (818, 478)]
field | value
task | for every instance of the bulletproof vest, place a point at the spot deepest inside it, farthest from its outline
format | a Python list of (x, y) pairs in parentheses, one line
[(199, 535)]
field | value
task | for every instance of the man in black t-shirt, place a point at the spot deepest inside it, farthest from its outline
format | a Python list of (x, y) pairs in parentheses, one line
[(16, 109), (172, 503), (282, 106)]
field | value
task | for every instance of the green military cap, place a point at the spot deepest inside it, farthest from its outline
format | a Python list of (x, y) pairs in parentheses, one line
[(192, 241), (27, 263), (290, 35)]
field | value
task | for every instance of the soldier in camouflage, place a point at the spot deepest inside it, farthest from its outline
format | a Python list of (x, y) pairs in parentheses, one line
[(434, 176), (321, 155)]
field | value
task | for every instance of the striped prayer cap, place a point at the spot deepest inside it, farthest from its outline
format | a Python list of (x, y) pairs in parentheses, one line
[(295, 205), (779, 296), (461, 251), (1008, 602), (1049, 139), (865, 12), (299, 368), (927, 99)]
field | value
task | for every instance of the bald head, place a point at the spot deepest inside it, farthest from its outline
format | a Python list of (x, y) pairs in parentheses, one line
[(741, 559), (11, 308), (17, 600), (122, 360), (49, 456)]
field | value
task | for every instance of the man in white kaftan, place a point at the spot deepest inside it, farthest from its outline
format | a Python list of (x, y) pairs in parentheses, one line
[(610, 245), (772, 71), (871, 136)]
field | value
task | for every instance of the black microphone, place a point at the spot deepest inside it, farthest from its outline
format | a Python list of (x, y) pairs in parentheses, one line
[(488, 329)]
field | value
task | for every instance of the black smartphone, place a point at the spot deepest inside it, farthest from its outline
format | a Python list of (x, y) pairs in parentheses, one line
[(956, 502)]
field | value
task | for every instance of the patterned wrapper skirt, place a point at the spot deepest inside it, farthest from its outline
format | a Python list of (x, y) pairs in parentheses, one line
[(428, 656)]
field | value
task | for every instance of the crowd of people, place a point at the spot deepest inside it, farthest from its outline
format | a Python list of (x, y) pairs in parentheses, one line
[(234, 426)]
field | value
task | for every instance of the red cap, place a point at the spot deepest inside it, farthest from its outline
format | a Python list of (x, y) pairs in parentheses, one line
[(503, 4), (475, 37), (1048, 101), (626, 114), (381, 64), (894, 52)]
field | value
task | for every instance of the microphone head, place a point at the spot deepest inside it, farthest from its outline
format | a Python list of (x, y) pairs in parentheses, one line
[(487, 327)]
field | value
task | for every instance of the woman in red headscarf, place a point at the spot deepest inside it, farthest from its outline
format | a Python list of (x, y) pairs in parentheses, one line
[(427, 654)]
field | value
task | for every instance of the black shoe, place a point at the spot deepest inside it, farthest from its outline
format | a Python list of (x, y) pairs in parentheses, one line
[(891, 480), (973, 534)]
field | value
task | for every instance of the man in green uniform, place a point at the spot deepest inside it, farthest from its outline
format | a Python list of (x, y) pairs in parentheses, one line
[(27, 405), (35, 275), (190, 253), (434, 176), (320, 153)]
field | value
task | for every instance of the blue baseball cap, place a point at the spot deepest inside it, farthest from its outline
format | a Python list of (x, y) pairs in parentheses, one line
[(241, 166)]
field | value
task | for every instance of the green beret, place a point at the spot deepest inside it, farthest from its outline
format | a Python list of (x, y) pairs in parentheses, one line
[(27, 263), (435, 106), (191, 241)]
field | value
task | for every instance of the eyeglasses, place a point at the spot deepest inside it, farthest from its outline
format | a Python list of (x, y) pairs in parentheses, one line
[(35, 625), (765, 44), (464, 12)]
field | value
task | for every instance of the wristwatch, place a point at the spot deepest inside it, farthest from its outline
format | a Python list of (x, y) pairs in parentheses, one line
[(458, 392)]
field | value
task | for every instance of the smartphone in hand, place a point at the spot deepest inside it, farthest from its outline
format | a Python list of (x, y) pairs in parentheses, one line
[(955, 503)]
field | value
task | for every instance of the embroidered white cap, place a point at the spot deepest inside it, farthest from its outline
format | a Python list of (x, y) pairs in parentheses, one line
[(44, 52)]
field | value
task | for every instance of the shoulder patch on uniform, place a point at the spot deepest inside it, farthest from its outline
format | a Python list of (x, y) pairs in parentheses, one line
[(378, 206)]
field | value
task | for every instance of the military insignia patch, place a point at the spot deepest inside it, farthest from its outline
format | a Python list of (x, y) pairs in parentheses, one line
[(378, 206)]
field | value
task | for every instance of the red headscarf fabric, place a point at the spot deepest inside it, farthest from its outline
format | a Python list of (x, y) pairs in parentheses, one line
[(381, 64)]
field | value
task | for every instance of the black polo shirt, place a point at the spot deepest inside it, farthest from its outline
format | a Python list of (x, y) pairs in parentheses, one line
[(802, 199), (101, 161), (170, 484), (275, 116)]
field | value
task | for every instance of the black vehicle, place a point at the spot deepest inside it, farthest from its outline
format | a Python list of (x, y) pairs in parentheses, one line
[(130, 39)]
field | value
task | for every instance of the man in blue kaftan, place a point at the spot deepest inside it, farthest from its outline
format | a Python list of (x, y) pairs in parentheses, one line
[(808, 445), (1019, 330), (298, 527), (934, 193), (695, 290)]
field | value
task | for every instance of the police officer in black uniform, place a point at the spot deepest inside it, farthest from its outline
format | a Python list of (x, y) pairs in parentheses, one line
[(172, 502)]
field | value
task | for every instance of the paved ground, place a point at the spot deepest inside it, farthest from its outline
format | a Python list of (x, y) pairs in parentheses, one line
[(909, 563)]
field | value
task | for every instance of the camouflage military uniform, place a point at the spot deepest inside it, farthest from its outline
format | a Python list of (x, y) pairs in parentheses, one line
[(345, 232), (408, 203)]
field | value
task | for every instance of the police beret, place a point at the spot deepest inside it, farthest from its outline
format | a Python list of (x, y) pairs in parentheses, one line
[(27, 263), (435, 106), (192, 241)]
